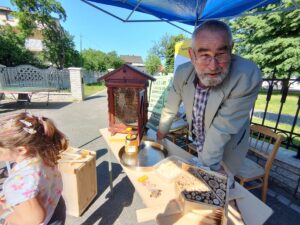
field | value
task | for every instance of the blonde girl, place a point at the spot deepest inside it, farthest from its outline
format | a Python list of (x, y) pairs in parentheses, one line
[(32, 192)]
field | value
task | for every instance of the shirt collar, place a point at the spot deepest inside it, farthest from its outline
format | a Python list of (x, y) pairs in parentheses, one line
[(196, 80)]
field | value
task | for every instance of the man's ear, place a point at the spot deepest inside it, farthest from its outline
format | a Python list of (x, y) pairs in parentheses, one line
[(192, 56), (22, 150)]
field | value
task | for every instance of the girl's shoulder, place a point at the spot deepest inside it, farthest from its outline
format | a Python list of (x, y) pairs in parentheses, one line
[(28, 178), (31, 170)]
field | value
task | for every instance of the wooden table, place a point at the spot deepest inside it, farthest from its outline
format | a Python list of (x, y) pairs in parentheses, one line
[(252, 210), (25, 93)]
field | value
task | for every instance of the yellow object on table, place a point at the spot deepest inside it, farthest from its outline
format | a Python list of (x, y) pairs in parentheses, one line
[(143, 178)]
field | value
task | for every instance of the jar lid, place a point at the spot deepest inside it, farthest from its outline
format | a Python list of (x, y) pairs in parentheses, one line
[(130, 137)]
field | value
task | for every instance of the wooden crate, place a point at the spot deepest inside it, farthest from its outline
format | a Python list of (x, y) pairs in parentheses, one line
[(78, 169)]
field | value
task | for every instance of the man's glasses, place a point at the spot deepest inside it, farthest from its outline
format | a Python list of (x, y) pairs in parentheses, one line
[(206, 59)]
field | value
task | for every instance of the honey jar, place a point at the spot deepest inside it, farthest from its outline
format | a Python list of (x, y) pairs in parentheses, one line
[(131, 143)]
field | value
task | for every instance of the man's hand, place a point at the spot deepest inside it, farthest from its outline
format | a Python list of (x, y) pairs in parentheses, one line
[(160, 136)]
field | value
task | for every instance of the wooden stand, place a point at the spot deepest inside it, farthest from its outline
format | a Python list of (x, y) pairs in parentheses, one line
[(127, 99)]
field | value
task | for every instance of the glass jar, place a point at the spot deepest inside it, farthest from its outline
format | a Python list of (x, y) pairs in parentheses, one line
[(131, 144)]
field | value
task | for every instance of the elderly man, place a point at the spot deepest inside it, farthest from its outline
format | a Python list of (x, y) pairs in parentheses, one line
[(218, 90)]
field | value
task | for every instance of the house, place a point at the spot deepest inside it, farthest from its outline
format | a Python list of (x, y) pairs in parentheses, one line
[(6, 17), (135, 61), (33, 43)]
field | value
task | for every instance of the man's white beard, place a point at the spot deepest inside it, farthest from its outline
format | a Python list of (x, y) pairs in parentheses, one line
[(212, 81)]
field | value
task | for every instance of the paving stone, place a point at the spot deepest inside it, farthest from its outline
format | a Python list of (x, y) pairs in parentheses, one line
[(287, 173), (288, 160), (295, 207), (284, 181), (273, 168), (271, 193), (283, 200), (290, 165)]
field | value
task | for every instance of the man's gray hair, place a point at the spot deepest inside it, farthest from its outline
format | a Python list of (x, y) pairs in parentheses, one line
[(213, 26)]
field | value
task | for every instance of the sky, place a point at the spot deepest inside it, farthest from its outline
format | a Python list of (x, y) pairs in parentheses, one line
[(103, 32)]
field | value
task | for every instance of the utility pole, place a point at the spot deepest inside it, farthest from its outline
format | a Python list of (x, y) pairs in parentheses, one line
[(81, 60), (80, 43)]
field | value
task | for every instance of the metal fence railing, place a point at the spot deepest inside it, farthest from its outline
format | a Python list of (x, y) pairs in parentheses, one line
[(280, 121)]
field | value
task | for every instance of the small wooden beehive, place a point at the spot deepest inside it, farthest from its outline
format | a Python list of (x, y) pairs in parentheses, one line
[(127, 99), (78, 170)]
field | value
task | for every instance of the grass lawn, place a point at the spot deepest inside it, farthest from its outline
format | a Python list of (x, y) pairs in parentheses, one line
[(289, 107), (90, 89)]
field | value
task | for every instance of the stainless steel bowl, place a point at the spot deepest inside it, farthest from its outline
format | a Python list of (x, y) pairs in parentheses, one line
[(148, 155)]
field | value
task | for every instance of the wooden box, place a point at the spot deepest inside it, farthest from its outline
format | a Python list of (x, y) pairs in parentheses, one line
[(78, 169)]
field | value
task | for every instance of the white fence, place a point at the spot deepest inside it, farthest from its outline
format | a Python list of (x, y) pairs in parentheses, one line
[(30, 76), (90, 77)]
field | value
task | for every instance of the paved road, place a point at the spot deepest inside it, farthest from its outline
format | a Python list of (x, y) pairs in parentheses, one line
[(81, 122)]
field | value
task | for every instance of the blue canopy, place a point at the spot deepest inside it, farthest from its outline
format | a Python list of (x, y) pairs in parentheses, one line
[(190, 12)]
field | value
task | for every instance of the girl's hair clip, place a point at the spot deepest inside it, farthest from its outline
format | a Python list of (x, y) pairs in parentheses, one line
[(26, 123), (29, 130)]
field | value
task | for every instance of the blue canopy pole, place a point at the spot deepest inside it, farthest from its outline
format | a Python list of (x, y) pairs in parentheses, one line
[(199, 11), (127, 21), (137, 5)]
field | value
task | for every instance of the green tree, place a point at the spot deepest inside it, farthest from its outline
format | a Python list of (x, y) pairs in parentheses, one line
[(165, 49), (34, 14), (160, 47), (152, 64), (170, 52), (45, 15), (60, 48), (113, 60), (13, 52), (271, 40), (99, 61), (93, 60)]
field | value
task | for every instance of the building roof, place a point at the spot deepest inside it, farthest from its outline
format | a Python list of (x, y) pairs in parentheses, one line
[(143, 74), (132, 59), (6, 9)]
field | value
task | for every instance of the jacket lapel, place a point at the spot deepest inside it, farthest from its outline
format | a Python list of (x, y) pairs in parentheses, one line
[(189, 96), (214, 101)]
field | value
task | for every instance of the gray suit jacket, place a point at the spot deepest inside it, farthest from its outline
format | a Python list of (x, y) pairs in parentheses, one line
[(227, 111)]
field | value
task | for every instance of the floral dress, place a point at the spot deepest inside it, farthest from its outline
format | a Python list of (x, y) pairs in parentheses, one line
[(32, 177)]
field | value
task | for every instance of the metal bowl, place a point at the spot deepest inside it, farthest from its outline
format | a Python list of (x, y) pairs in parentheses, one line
[(148, 155)]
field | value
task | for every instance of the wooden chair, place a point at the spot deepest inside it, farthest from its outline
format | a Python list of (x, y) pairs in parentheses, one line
[(264, 143), (192, 149)]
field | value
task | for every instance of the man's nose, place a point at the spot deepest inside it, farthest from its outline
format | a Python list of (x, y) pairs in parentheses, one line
[(213, 64)]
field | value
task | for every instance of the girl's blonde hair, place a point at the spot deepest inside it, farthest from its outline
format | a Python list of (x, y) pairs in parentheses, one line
[(37, 134)]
